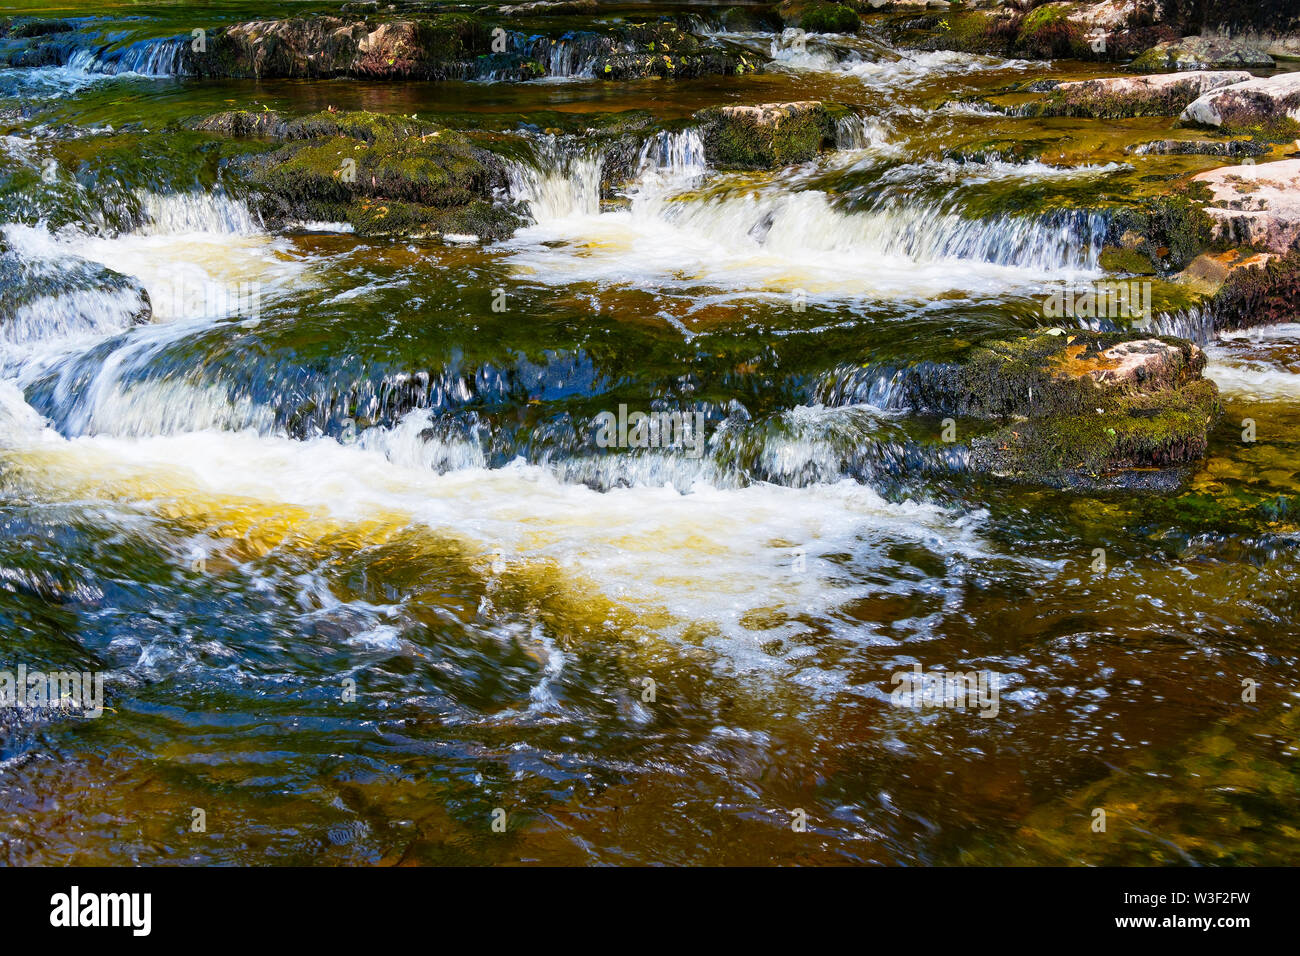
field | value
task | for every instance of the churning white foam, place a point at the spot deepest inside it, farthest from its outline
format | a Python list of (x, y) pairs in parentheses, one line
[(711, 557), (765, 237)]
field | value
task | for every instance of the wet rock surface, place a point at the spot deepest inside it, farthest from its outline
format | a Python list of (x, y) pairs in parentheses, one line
[(765, 136), (1260, 290), (41, 297), (1078, 409), (452, 46), (382, 174), (1205, 53), (1271, 102), (1120, 96)]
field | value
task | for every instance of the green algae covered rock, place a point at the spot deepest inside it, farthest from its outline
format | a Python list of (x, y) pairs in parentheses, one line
[(765, 136), (1078, 409), (386, 175), (1204, 53), (1122, 96), (1266, 291), (829, 18), (1048, 32)]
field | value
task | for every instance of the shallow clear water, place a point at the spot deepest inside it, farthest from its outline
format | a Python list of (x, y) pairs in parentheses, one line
[(375, 476)]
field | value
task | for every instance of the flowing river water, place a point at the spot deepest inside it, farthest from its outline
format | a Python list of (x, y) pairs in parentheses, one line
[(387, 479)]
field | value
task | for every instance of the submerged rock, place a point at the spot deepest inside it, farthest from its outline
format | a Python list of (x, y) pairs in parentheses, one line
[(1120, 96), (44, 298), (1256, 205), (765, 136), (1078, 409), (1271, 104), (1199, 147), (386, 175)]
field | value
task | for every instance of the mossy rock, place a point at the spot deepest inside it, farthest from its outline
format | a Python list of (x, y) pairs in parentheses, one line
[(767, 136), (1077, 408), (1170, 230), (1047, 33), (1259, 295), (1134, 441), (1127, 261), (829, 18), (978, 31), (386, 175), (25, 28)]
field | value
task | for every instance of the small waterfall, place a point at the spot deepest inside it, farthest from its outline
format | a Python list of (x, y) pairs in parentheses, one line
[(859, 131), (171, 214), (560, 184), (1066, 240), (680, 154), (570, 56), (1195, 324), (48, 296), (848, 385), (155, 58)]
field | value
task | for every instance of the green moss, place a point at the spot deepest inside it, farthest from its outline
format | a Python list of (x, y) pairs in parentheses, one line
[(1095, 101), (975, 31), (1174, 229), (1152, 61), (1160, 430), (737, 138), (1127, 261), (830, 18), (1276, 129), (1060, 421), (1047, 33), (385, 174)]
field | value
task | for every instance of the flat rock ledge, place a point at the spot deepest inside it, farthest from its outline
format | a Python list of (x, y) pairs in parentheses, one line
[(1114, 97), (384, 175)]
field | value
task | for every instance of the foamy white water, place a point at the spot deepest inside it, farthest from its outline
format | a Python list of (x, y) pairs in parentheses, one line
[(766, 238), (711, 556)]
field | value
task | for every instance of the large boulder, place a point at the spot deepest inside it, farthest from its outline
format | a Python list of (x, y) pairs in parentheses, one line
[(1269, 103), (1256, 205), (829, 18), (765, 136), (1285, 48), (1077, 408), (1104, 30), (1118, 96)]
